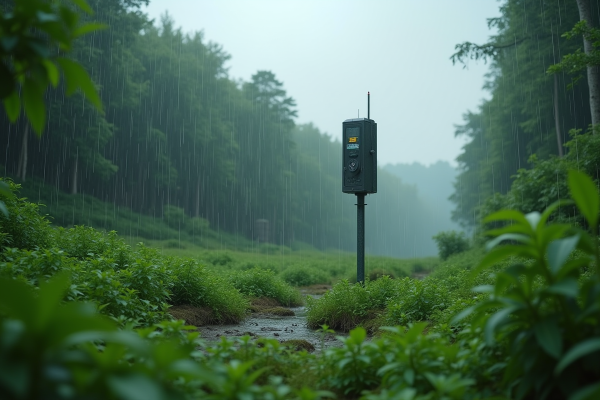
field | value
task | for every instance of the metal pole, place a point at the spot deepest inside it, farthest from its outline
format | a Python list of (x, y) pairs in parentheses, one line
[(360, 238)]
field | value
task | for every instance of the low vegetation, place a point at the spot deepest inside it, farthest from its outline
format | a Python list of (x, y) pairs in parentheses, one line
[(529, 330)]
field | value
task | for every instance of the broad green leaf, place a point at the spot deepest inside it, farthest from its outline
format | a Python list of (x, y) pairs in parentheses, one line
[(568, 287), (33, 102), (391, 366), (534, 219), (462, 315), (584, 192), (409, 376), (548, 336), (77, 77), (517, 237), (497, 255), (3, 209), (52, 71), (513, 228), (507, 215), (495, 322), (553, 232), (589, 392), (12, 105), (580, 350), (358, 335), (88, 28), (559, 251), (50, 295)]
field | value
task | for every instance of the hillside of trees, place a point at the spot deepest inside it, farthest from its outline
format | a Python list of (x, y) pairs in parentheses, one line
[(178, 135), (530, 109)]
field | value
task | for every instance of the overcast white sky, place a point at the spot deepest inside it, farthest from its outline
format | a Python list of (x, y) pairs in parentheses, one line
[(330, 53)]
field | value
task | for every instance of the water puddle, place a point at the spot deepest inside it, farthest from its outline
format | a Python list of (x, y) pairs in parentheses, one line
[(282, 328)]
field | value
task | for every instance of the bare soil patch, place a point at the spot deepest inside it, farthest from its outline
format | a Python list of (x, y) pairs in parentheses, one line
[(197, 316)]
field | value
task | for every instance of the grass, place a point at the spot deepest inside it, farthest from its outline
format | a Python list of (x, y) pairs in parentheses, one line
[(298, 268)]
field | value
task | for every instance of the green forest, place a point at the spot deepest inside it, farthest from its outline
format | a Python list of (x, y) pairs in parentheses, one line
[(178, 140), (169, 232)]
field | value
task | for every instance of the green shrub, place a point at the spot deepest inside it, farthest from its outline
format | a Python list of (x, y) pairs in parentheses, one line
[(416, 301), (193, 284), (258, 282), (408, 364), (24, 227), (546, 311), (450, 243), (304, 276), (348, 305), (33, 266), (218, 258)]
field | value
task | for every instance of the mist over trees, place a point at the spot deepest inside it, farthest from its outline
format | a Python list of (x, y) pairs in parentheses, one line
[(179, 137), (434, 184), (530, 111)]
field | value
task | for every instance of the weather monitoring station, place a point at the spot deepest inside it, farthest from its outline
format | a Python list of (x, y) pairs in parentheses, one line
[(359, 173)]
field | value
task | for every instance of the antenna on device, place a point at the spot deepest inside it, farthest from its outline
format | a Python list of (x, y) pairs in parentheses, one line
[(368, 105)]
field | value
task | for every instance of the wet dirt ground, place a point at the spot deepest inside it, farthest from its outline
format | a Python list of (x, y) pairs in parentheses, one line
[(271, 326)]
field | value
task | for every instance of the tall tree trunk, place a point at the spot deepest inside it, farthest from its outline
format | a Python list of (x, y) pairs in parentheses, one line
[(557, 118), (75, 173), (593, 72), (22, 169)]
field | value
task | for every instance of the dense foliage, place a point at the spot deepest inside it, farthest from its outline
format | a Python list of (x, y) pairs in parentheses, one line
[(451, 242), (529, 111)]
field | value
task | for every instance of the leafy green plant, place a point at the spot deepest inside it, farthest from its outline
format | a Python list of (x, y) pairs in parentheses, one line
[(83, 241), (258, 282), (406, 363), (32, 30), (544, 308), (450, 243), (416, 301), (22, 226), (193, 284), (304, 276), (348, 305)]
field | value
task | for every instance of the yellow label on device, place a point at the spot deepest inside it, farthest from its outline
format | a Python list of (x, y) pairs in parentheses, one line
[(352, 140)]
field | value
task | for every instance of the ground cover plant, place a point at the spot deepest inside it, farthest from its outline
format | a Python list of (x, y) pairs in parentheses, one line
[(258, 282), (132, 284)]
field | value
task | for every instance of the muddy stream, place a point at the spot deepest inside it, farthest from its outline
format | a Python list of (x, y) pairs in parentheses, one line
[(282, 328)]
